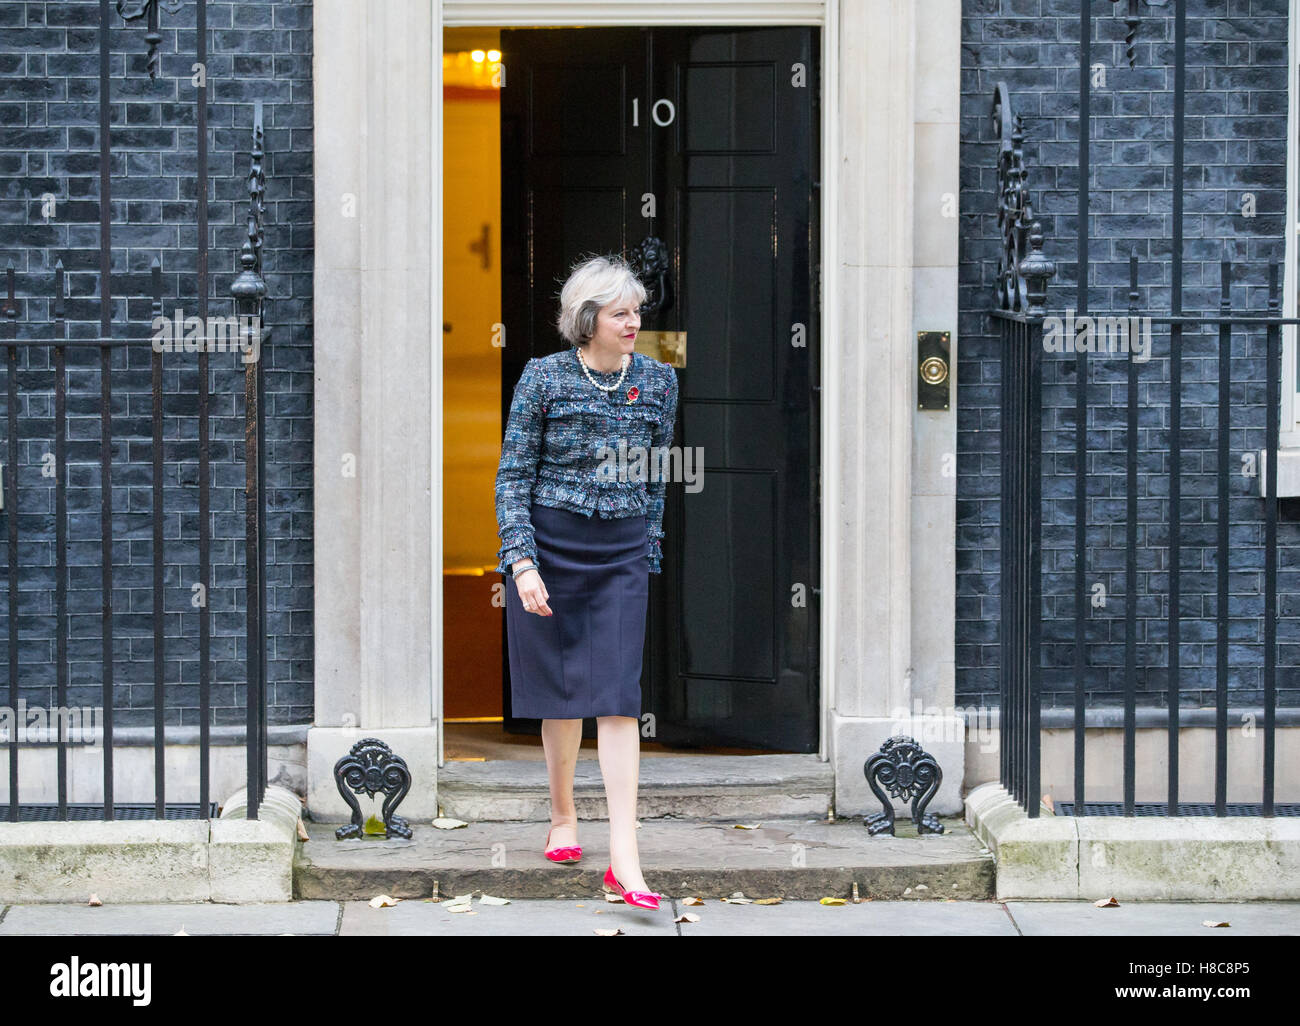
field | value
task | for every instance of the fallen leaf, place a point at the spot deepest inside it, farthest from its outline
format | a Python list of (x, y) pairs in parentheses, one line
[(488, 899), (687, 917), (1106, 903), (607, 933), (831, 901), (94, 901), (374, 826), (444, 823), (383, 901), (692, 901), (1211, 922), (768, 901), (738, 901), (748, 826)]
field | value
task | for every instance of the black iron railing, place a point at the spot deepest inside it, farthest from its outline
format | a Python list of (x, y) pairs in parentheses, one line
[(248, 292), (1020, 312), (1021, 287)]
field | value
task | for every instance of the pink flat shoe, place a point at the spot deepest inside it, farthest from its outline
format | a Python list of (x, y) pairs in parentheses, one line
[(565, 855), (638, 899)]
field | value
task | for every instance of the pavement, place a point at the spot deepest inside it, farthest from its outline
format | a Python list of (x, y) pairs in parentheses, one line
[(583, 916)]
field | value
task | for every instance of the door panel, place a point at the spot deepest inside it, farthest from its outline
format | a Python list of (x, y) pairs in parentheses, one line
[(727, 144), (572, 174)]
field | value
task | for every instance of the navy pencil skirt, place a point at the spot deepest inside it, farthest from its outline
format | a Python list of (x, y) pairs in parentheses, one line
[(585, 659)]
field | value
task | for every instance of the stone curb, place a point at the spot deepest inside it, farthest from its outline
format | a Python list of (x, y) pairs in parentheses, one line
[(230, 859), (1156, 858)]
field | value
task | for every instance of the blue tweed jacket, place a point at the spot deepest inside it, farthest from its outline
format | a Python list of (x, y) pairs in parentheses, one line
[(553, 453)]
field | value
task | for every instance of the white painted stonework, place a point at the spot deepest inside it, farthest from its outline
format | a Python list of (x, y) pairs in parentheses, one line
[(889, 218)]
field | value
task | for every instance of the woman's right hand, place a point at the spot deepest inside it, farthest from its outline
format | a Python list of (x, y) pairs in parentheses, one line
[(532, 592)]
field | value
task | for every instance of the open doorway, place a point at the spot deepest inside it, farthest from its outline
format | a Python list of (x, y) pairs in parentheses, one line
[(730, 152), (472, 696)]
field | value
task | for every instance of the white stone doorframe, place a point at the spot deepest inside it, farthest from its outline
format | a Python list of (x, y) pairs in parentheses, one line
[(889, 172)]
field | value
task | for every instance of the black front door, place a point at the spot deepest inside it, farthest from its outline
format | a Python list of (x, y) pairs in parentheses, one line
[(707, 140)]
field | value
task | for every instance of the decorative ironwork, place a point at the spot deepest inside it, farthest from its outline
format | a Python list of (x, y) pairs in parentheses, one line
[(1028, 591), (1133, 22), (649, 261), (134, 10), (902, 769), (45, 337), (249, 285), (372, 767), (1034, 270), (1023, 271), (249, 291)]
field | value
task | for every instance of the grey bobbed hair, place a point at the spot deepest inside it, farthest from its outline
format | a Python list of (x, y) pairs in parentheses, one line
[(594, 283)]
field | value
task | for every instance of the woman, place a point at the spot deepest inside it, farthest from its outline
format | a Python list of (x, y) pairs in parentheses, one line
[(579, 503)]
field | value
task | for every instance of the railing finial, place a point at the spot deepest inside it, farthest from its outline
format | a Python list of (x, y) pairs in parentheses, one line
[(1035, 269), (1023, 270)]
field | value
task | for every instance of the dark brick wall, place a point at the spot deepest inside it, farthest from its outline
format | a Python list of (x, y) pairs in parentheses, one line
[(1236, 103), (49, 144)]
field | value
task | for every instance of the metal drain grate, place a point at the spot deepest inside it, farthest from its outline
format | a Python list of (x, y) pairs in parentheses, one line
[(86, 812), (1184, 809)]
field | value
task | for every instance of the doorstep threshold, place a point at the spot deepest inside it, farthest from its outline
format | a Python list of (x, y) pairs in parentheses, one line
[(663, 772), (741, 787)]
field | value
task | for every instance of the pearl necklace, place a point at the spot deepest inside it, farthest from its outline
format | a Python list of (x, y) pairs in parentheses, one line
[(604, 388)]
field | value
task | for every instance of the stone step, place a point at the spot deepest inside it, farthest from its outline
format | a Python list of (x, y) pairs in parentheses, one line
[(785, 857), (691, 787)]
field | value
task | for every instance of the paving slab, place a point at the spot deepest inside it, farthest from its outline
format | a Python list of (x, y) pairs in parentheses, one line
[(1155, 918), (866, 918), (541, 918), (581, 917), (787, 858), (203, 918), (536, 918)]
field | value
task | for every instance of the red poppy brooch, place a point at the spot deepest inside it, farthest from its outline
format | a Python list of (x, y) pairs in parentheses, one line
[(632, 393)]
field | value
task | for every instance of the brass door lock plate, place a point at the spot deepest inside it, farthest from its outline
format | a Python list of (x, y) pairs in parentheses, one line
[(932, 370)]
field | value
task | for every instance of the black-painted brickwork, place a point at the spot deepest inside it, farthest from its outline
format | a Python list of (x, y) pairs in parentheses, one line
[(1236, 102), (49, 147)]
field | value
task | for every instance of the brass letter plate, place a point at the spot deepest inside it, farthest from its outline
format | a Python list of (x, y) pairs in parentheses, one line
[(666, 346)]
